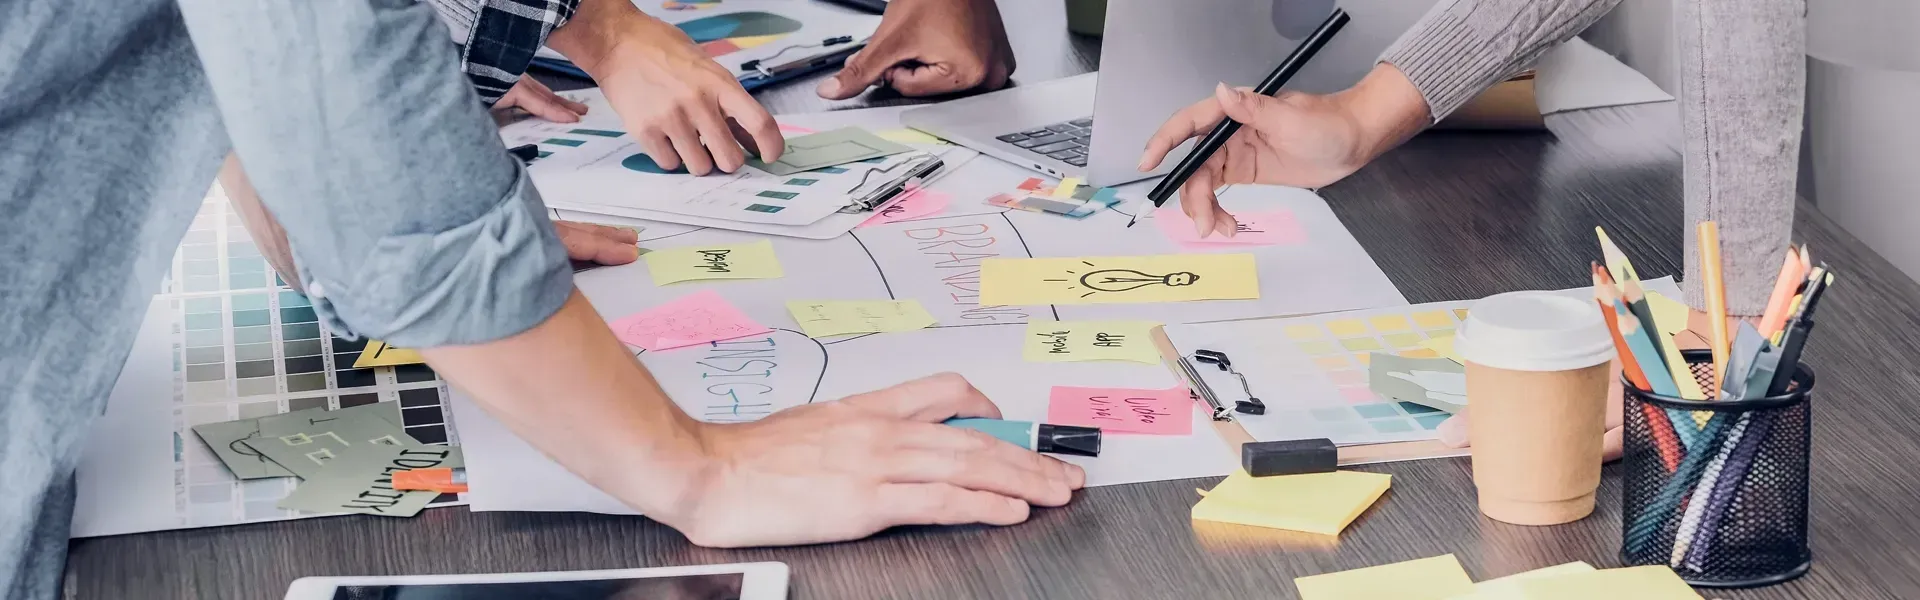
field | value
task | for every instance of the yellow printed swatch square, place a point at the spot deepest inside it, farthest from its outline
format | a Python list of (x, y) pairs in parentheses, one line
[(1066, 341), (1432, 319), (1117, 279), (1347, 328), (1387, 323), (1434, 578), (1322, 503), (379, 354), (751, 260), (826, 318), (1653, 582)]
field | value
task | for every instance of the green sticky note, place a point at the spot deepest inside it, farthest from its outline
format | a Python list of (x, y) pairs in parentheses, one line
[(359, 479), (828, 148), (229, 439), (304, 442), (1435, 383)]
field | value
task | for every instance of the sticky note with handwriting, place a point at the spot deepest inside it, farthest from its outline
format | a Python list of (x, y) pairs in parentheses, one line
[(910, 205), (1159, 412), (1117, 279), (1068, 341), (826, 318), (1434, 578), (1323, 503), (697, 318), (751, 260), (1271, 228)]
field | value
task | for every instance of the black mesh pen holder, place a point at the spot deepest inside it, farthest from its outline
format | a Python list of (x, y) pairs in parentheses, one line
[(1721, 499)]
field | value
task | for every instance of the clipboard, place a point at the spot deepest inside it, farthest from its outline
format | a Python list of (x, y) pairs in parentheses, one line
[(1235, 435)]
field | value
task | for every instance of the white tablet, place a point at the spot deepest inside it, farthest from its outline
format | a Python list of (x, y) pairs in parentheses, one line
[(740, 581)]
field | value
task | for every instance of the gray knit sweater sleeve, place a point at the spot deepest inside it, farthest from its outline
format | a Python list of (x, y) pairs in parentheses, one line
[(1743, 85)]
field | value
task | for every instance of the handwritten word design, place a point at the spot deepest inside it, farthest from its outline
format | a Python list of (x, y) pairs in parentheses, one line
[(730, 261)]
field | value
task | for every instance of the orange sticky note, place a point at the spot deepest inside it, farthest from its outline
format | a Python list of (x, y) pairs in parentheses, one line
[(442, 480), (1160, 412), (696, 318)]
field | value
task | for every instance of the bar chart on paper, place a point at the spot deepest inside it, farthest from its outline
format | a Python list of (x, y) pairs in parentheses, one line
[(239, 344)]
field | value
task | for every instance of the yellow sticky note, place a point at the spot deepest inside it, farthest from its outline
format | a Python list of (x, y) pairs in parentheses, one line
[(1432, 319), (908, 136), (379, 354), (751, 260), (1322, 503), (1653, 582), (1117, 279), (1388, 323), (1066, 187), (1508, 588), (1442, 346), (1434, 578), (1067, 341), (1347, 328), (825, 318)]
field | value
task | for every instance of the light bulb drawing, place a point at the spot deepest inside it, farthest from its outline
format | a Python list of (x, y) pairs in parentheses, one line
[(1099, 280)]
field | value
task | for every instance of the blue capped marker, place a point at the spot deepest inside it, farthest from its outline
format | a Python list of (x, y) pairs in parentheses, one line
[(1038, 437)]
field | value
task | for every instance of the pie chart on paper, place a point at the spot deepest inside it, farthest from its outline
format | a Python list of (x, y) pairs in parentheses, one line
[(720, 35)]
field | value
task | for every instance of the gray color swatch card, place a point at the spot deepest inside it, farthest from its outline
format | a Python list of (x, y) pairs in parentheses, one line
[(303, 442), (827, 149), (229, 440), (1435, 383), (359, 479)]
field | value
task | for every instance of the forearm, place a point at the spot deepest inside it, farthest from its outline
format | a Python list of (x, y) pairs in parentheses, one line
[(592, 407), (267, 235), (1462, 47), (1742, 90)]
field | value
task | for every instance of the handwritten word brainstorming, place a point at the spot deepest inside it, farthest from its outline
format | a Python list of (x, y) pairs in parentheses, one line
[(938, 261)]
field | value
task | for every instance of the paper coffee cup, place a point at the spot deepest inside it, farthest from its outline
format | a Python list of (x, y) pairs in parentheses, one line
[(1537, 365)]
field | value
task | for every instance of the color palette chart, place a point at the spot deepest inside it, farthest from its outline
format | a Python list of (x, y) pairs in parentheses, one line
[(1312, 371), (246, 346)]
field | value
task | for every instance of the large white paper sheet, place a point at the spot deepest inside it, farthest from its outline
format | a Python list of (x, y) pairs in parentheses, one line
[(505, 473)]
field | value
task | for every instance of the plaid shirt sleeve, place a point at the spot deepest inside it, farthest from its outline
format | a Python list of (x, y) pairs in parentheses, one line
[(498, 37)]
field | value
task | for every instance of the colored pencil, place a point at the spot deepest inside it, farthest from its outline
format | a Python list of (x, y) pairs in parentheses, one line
[(1658, 381), (1708, 234), (1617, 264), (1697, 503), (1791, 276), (1666, 440), (1640, 532)]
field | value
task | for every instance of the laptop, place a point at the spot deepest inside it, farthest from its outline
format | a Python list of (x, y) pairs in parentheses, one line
[(1159, 56)]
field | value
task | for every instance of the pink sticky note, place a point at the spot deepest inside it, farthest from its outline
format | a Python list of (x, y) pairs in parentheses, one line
[(1160, 412), (696, 318), (1276, 227), (794, 129), (911, 205)]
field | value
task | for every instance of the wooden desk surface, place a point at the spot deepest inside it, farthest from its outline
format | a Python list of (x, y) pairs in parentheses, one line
[(1449, 216)]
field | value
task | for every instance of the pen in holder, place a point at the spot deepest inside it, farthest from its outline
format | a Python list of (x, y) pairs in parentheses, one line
[(1718, 490)]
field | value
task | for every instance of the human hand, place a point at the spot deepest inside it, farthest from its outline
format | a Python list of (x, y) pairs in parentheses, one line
[(598, 243), (685, 110), (847, 469), (926, 47), (538, 100), (1295, 139)]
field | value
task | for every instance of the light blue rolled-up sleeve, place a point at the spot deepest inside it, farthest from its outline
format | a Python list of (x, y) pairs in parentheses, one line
[(407, 219)]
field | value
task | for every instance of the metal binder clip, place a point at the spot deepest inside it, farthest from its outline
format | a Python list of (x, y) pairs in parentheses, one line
[(1200, 391), (1252, 405)]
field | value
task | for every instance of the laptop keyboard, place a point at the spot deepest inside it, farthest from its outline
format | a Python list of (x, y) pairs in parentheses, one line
[(1065, 142)]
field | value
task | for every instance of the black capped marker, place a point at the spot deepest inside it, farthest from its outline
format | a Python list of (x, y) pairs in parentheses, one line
[(1038, 437)]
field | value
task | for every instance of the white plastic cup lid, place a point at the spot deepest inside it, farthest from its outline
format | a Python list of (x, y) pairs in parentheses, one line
[(1534, 331)]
